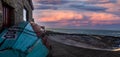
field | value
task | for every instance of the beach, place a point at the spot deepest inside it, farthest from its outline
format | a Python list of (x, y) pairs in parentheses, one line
[(70, 45)]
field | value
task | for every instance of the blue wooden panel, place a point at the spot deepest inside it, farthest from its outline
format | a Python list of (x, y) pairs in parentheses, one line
[(8, 43), (12, 53), (5, 44), (39, 50), (1, 39), (26, 39)]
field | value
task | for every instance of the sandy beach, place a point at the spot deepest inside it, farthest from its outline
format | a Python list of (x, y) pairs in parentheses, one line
[(64, 45)]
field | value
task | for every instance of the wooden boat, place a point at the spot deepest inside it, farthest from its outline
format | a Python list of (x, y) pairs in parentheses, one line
[(21, 41)]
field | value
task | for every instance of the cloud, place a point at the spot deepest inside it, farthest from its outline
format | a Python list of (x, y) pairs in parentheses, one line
[(42, 7), (104, 18), (100, 1), (35, 1), (53, 2), (88, 7), (73, 23), (111, 7), (98, 5), (66, 18), (77, 13), (58, 15), (94, 19)]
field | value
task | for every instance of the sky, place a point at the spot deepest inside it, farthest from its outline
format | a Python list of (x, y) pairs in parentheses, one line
[(78, 14)]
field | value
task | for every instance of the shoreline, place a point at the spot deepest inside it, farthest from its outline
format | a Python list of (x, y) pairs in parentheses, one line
[(91, 41), (82, 45), (60, 33), (62, 50), (75, 42)]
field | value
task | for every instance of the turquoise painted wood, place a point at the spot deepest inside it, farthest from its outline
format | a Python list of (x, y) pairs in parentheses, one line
[(8, 43), (21, 45), (26, 39), (39, 50), (2, 39), (12, 53)]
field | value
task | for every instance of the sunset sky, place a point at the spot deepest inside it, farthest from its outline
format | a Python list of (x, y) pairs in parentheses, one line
[(78, 14)]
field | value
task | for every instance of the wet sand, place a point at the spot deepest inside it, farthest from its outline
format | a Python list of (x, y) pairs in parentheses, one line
[(62, 50)]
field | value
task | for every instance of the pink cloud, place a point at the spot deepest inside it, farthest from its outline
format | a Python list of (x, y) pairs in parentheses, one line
[(95, 19), (97, 0), (63, 17), (72, 23), (111, 7), (59, 15), (104, 18), (35, 1)]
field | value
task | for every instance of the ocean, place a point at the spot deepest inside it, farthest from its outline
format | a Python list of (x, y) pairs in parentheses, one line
[(88, 31)]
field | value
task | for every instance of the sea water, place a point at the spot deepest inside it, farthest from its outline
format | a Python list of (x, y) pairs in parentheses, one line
[(115, 33)]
